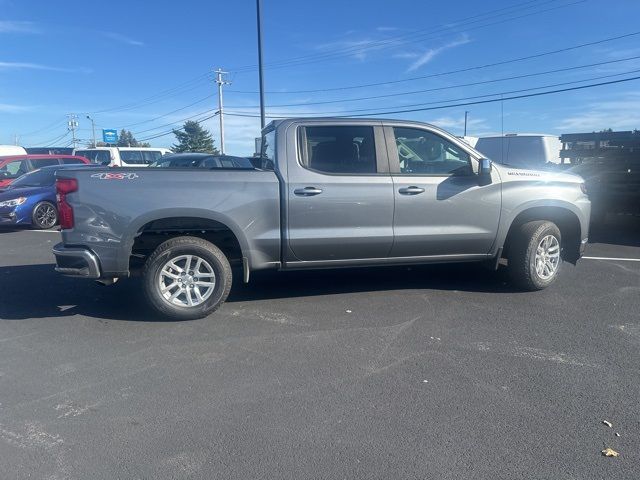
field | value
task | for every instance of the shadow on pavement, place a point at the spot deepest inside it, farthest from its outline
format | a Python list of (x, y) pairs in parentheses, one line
[(617, 230), (37, 291)]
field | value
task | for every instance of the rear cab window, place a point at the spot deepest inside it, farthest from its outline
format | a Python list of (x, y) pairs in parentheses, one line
[(343, 149)]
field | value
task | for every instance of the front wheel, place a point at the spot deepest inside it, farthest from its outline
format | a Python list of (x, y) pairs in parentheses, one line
[(45, 216), (187, 278), (534, 255)]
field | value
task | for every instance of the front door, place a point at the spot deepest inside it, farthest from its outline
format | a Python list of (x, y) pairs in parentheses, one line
[(441, 208), (340, 194)]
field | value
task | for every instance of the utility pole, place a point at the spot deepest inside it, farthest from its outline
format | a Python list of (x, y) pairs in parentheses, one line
[(260, 74), (220, 81), (93, 130), (465, 122), (72, 124)]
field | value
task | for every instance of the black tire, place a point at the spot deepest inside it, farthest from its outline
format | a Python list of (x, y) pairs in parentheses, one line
[(175, 248), (44, 216), (522, 254)]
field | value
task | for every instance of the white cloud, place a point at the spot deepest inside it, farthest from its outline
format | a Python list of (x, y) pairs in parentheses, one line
[(9, 108), (18, 26), (39, 66), (123, 39), (431, 53), (621, 113)]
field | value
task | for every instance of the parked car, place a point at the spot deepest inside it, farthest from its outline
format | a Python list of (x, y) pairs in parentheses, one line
[(14, 166), (122, 156), (31, 199), (329, 193), (522, 150), (201, 160)]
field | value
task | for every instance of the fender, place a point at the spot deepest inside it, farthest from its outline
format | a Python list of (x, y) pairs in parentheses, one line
[(134, 227)]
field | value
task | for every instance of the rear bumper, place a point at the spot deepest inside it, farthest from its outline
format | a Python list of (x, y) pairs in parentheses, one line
[(76, 262)]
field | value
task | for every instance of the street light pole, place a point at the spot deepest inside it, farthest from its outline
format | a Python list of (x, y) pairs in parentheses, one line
[(220, 81), (260, 74), (465, 122), (93, 130)]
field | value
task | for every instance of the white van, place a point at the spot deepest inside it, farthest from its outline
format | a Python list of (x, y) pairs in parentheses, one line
[(10, 150), (523, 150), (122, 156)]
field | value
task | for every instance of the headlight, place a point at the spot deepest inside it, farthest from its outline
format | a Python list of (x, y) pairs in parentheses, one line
[(14, 202)]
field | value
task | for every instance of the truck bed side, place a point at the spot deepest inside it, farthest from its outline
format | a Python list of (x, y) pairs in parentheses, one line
[(114, 207)]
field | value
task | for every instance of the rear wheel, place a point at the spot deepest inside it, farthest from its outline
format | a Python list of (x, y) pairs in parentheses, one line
[(187, 278), (534, 255), (45, 216)]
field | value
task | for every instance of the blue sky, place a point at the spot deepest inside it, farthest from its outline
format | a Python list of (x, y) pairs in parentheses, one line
[(147, 65)]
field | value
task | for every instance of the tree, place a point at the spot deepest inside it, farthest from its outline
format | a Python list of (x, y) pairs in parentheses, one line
[(126, 139), (193, 138)]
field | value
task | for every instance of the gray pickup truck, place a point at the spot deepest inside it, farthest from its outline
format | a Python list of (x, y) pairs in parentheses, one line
[(329, 193)]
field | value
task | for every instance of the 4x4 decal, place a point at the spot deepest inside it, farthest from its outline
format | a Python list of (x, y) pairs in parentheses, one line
[(115, 176)]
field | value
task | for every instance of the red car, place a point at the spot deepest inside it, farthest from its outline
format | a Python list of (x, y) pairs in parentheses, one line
[(14, 166)]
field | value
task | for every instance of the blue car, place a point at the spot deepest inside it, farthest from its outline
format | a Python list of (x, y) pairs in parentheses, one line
[(31, 199)]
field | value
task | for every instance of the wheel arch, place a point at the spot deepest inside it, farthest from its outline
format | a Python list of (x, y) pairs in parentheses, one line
[(149, 231), (562, 215)]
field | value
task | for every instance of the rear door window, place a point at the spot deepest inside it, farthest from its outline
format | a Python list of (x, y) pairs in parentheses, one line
[(132, 157), (347, 150), (151, 156), (95, 156)]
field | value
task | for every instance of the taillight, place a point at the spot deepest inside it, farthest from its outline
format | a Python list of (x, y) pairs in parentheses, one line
[(65, 186)]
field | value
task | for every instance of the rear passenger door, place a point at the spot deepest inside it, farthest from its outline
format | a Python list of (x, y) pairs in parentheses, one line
[(340, 194)]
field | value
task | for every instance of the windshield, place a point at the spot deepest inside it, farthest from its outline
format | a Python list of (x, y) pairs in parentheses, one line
[(37, 178)]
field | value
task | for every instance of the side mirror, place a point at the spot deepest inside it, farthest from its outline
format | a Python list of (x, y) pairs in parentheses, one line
[(484, 171)]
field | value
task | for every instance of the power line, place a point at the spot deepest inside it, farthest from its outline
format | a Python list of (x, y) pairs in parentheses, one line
[(160, 96), (484, 96), (178, 129), (169, 113), (177, 121), (464, 70), (449, 87), (43, 129), (55, 140), (478, 102)]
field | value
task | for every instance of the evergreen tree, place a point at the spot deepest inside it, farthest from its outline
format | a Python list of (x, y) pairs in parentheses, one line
[(194, 138), (126, 139)]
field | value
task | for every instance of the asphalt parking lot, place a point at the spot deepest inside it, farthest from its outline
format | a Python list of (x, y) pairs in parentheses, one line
[(440, 372)]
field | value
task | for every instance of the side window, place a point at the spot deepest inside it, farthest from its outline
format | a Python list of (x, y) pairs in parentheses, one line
[(17, 168), (150, 156), (339, 149), (133, 157), (425, 153), (45, 162)]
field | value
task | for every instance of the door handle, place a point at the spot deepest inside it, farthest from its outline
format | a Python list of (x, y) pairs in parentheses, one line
[(307, 191), (411, 190)]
